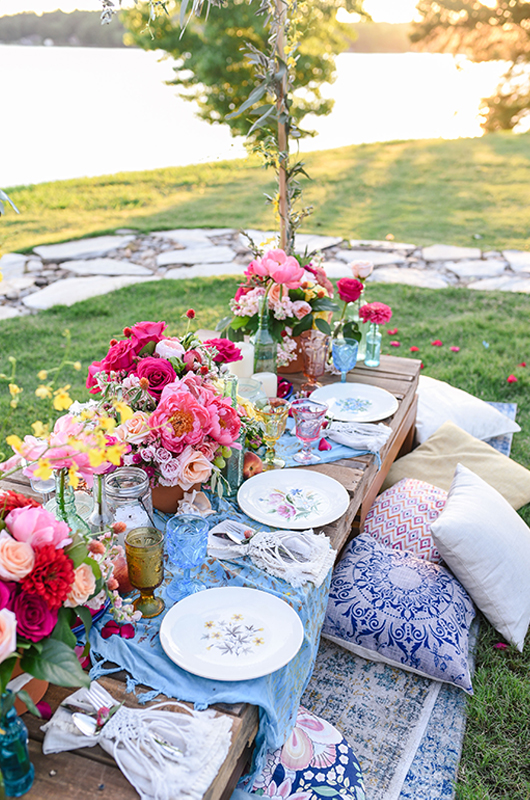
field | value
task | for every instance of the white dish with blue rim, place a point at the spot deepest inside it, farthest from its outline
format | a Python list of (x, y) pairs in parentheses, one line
[(293, 499), (231, 633), (356, 402)]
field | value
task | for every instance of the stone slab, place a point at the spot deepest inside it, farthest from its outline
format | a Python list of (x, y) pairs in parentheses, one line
[(267, 239), (519, 260), (15, 285), (377, 257), (213, 254), (476, 268), (424, 278), (337, 269), (105, 266), (506, 283), (450, 252), (191, 237), (205, 271), (310, 243), (68, 291), (13, 265), (8, 312), (82, 248), (377, 244)]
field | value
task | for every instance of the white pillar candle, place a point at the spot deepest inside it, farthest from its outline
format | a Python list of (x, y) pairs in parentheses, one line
[(269, 382), (245, 367)]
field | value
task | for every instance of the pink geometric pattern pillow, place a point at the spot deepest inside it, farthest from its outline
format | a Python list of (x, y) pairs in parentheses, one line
[(401, 517)]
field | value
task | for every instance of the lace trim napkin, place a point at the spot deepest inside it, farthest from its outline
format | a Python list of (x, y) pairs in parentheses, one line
[(165, 755), (295, 556)]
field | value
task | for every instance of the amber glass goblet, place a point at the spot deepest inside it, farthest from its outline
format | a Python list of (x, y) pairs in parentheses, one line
[(315, 350), (144, 549), (273, 417)]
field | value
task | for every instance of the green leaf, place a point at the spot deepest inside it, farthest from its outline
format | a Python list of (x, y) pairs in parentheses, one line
[(24, 696), (224, 323), (303, 325), (85, 616), (351, 331), (63, 629), (6, 669), (240, 322), (323, 326), (78, 551), (324, 304), (57, 663), (259, 122), (148, 349), (94, 566), (255, 95)]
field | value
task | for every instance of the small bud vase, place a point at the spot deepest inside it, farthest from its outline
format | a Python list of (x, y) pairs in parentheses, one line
[(65, 507), (373, 346), (265, 348), (17, 770)]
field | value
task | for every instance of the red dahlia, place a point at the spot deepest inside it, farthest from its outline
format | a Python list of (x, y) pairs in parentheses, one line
[(10, 500), (52, 576)]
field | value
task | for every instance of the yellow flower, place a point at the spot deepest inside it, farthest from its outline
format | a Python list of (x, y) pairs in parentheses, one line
[(44, 392), (39, 429), (107, 423), (44, 470), (62, 400), (77, 364), (15, 442), (114, 454), (123, 410), (73, 477), (14, 389), (42, 375), (96, 457)]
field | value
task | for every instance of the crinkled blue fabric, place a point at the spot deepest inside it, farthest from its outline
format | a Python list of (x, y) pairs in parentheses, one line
[(288, 445), (277, 695)]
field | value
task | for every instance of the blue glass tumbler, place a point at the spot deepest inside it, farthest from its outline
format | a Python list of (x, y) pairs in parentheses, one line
[(344, 353), (186, 542)]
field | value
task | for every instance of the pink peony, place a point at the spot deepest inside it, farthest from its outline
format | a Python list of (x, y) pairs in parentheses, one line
[(17, 559), (377, 313), (224, 420), (169, 348), (301, 309), (283, 269), (35, 620), (120, 357), (8, 633), (194, 468), (36, 527), (192, 359), (158, 372), (144, 332), (349, 289), (361, 269), (227, 351), (181, 420), (257, 268)]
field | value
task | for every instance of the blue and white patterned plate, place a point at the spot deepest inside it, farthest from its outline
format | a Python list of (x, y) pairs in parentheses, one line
[(356, 402), (231, 633)]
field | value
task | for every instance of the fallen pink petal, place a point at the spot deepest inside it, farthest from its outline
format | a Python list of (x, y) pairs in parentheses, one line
[(500, 646), (522, 364), (414, 349), (109, 629), (324, 445), (127, 631), (454, 349), (392, 331), (45, 709), (512, 379), (437, 343), (395, 344)]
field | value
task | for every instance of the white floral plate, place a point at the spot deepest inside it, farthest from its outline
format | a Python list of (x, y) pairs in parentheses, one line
[(294, 499), (356, 402), (231, 633)]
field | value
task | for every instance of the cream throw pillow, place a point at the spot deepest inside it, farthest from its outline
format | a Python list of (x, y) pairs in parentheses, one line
[(435, 462), (486, 544), (439, 402)]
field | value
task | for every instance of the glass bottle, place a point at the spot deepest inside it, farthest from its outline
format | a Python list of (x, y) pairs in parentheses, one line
[(64, 504), (353, 314), (233, 470), (129, 499), (373, 346), (265, 348), (17, 770), (100, 517)]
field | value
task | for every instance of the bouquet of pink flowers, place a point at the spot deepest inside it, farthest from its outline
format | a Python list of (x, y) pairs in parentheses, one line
[(47, 580), (175, 421), (298, 297)]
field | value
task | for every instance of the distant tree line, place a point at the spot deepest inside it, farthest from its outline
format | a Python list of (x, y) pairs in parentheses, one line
[(79, 28), (381, 37)]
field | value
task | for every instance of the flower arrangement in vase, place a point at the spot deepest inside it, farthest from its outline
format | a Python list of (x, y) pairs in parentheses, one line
[(375, 314), (175, 422), (295, 296)]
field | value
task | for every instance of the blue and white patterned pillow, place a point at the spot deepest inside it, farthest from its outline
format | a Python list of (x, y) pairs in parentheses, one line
[(390, 606)]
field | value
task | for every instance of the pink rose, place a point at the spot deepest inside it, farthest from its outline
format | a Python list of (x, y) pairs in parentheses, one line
[(35, 620), (91, 382), (283, 269), (170, 472), (135, 429), (301, 309), (37, 527), (224, 420), (144, 332), (192, 358), (361, 269), (158, 372), (169, 348), (8, 633), (17, 559), (6, 593), (195, 468), (120, 357), (227, 351), (349, 289), (378, 313), (180, 420), (83, 587), (242, 290)]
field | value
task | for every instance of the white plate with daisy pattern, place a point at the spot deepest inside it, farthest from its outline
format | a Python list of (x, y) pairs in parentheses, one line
[(231, 633), (356, 402)]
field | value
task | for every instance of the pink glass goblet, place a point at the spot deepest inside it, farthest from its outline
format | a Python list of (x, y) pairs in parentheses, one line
[(308, 418)]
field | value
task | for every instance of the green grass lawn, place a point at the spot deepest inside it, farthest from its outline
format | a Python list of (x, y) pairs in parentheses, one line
[(420, 191), (496, 759)]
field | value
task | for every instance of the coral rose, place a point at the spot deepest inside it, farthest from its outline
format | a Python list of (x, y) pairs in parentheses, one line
[(195, 468), (83, 587), (349, 289), (135, 429), (181, 420), (227, 351), (8, 633), (144, 332), (35, 620), (36, 526), (158, 372), (17, 559)]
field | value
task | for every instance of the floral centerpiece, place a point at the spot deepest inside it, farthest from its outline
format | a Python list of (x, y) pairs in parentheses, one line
[(175, 422), (297, 297)]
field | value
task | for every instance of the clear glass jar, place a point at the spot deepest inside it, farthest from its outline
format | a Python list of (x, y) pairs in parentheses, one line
[(129, 499)]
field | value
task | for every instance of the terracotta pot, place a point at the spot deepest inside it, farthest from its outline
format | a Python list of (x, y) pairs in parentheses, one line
[(166, 498), (297, 365), (35, 688)]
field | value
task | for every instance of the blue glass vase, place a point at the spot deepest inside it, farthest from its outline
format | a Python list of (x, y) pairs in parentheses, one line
[(344, 354), (373, 346), (17, 770)]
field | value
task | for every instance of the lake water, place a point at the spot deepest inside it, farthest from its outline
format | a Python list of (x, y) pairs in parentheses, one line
[(69, 112)]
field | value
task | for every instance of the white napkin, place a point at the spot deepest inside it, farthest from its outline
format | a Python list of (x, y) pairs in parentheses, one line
[(359, 435), (295, 556), (156, 772)]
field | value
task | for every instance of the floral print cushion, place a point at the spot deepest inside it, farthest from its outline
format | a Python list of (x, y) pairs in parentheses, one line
[(315, 762)]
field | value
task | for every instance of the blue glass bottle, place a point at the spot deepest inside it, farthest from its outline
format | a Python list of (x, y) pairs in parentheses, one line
[(17, 770), (373, 346)]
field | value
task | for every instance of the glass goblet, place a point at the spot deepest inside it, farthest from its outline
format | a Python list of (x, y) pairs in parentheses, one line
[(273, 417), (187, 542), (144, 549), (308, 417), (344, 354), (315, 349)]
